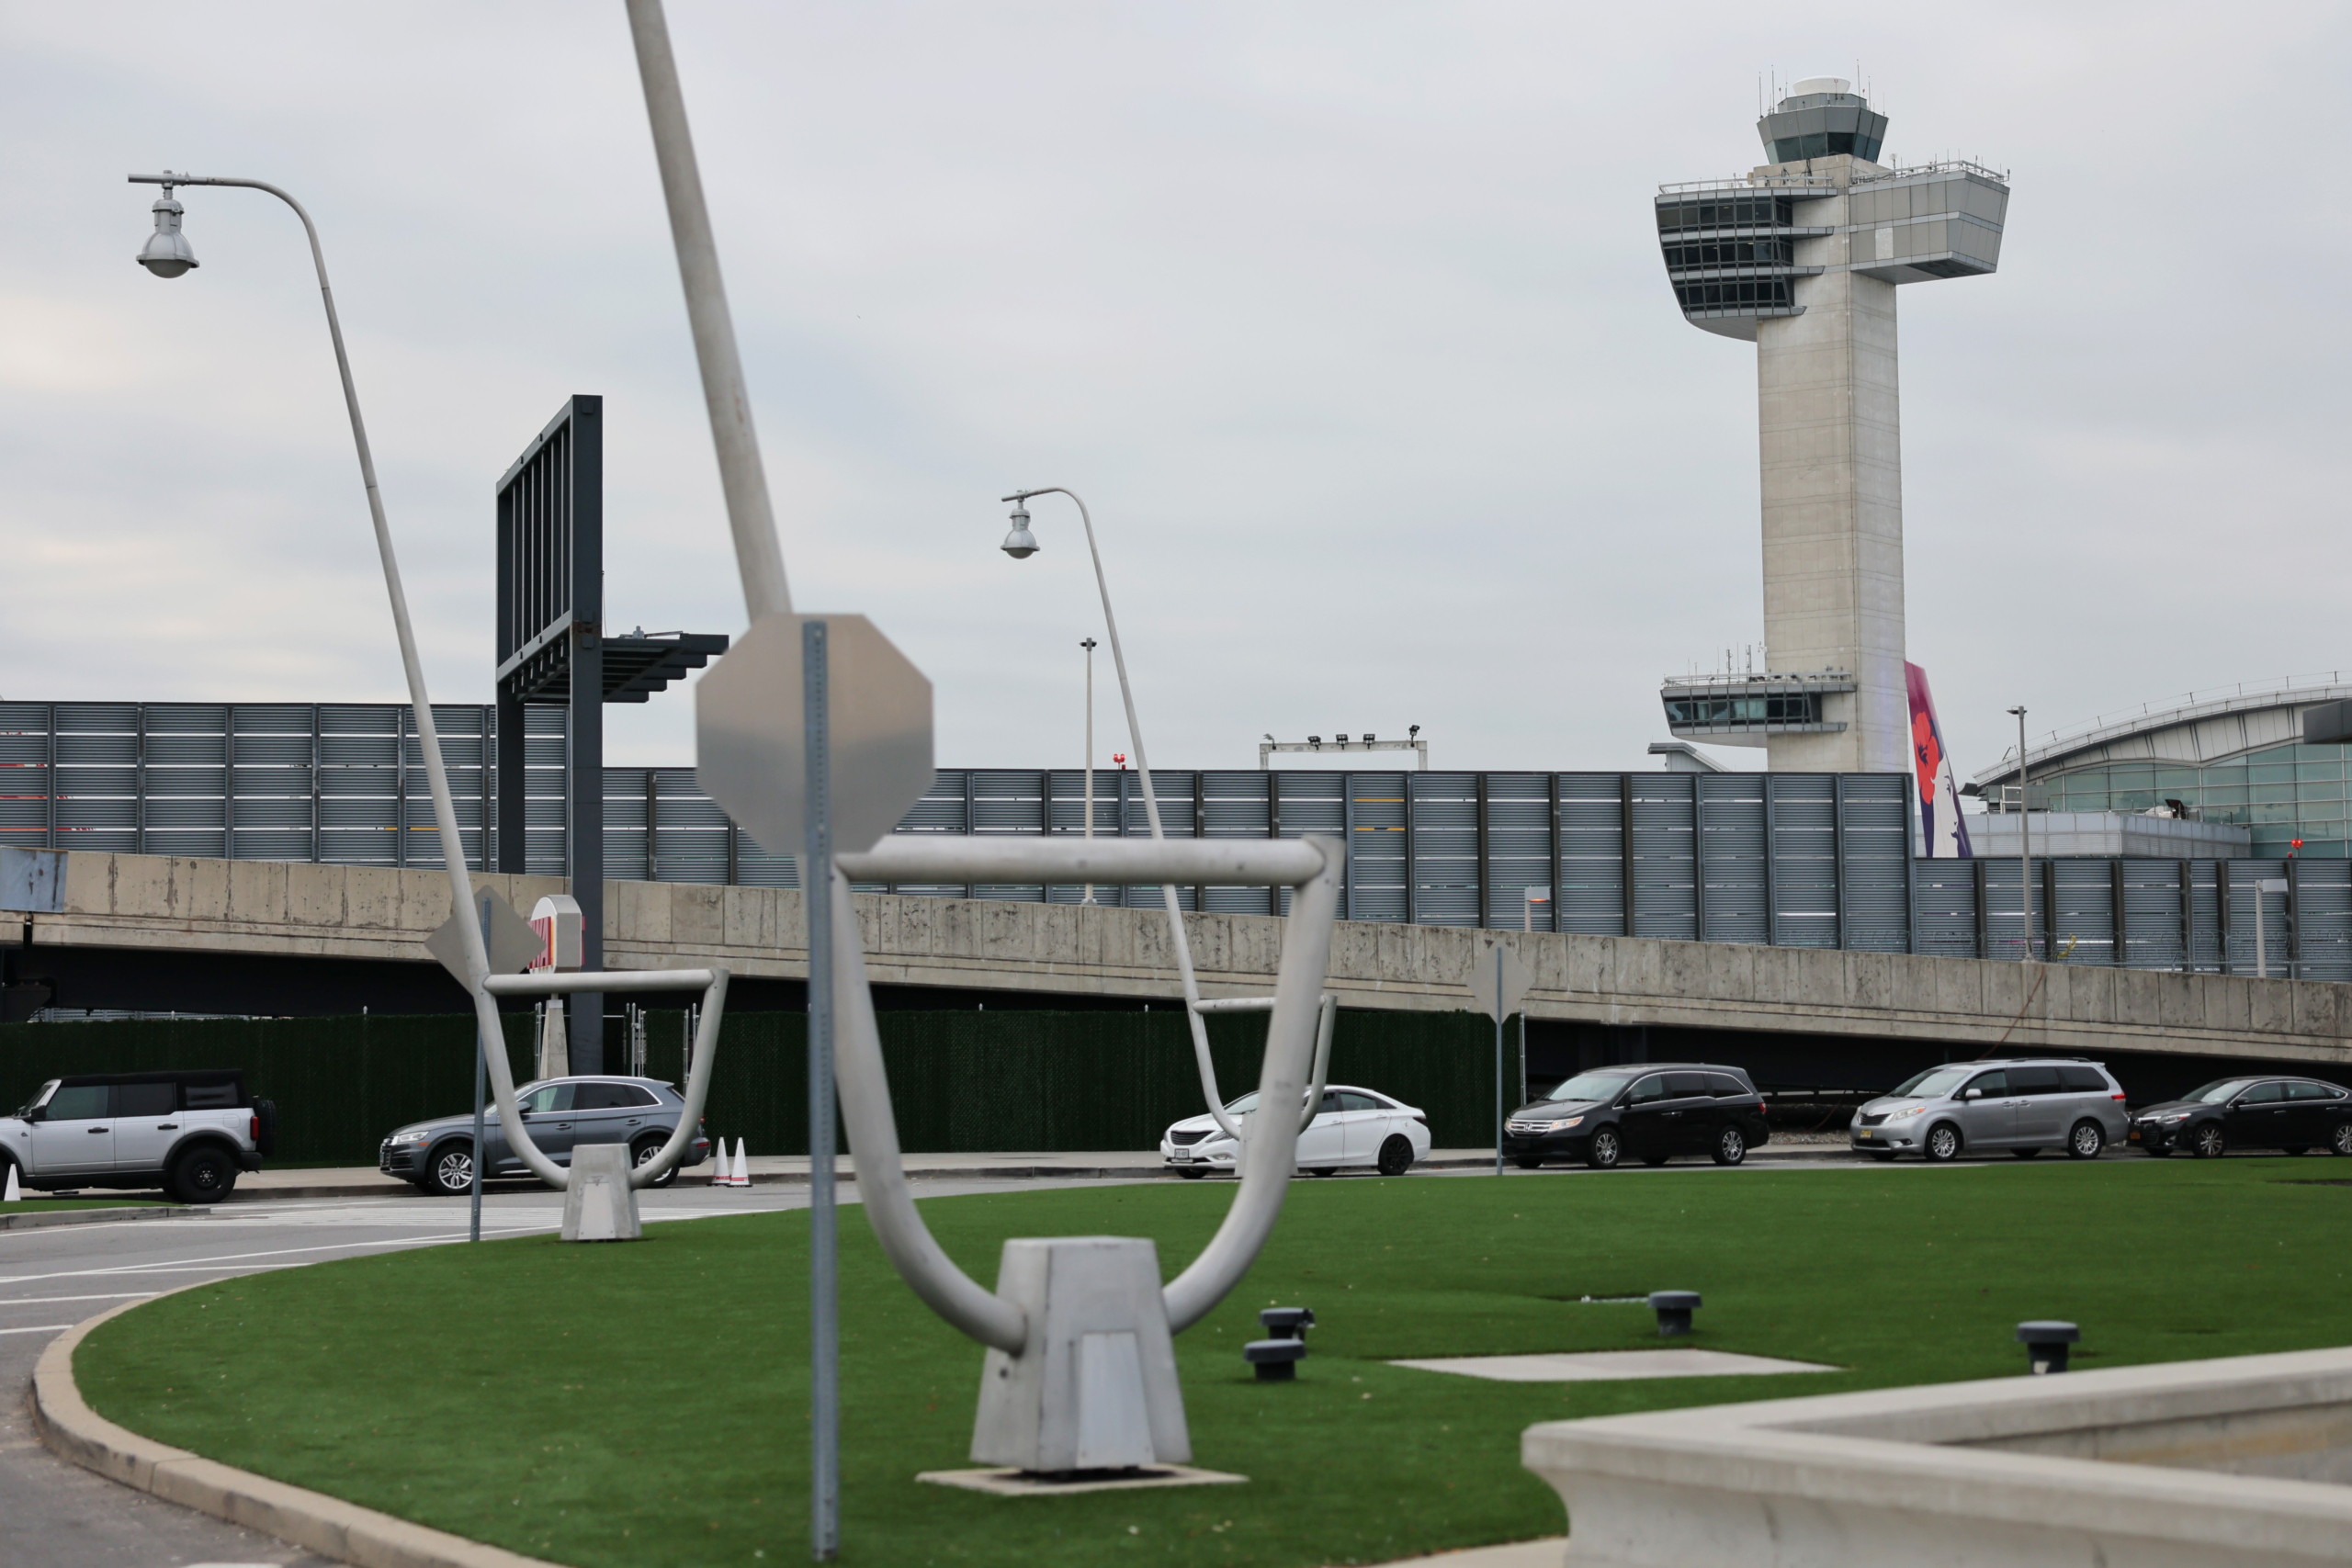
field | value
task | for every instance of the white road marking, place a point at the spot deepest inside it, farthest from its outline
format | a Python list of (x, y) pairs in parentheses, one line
[(116, 1296), (232, 1258), (44, 1328)]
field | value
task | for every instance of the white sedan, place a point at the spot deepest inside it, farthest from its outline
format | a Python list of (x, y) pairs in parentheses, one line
[(1354, 1127)]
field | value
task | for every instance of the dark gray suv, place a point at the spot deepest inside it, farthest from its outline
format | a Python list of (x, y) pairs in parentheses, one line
[(562, 1114)]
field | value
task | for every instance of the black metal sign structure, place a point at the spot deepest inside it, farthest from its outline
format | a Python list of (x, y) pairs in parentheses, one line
[(552, 650)]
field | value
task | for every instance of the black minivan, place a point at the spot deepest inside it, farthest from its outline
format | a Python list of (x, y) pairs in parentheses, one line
[(1651, 1112)]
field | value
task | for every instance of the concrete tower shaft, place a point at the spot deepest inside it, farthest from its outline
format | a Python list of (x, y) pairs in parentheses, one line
[(1801, 256)]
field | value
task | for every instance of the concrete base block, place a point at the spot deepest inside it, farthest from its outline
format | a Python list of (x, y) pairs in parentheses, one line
[(1096, 1387), (600, 1204)]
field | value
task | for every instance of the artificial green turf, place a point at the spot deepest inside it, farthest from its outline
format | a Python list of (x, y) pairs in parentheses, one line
[(647, 1404)]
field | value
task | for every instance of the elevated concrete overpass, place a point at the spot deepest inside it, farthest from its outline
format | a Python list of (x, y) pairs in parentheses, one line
[(155, 908)]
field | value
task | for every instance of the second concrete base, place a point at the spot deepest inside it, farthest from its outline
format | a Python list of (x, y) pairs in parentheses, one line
[(600, 1204)]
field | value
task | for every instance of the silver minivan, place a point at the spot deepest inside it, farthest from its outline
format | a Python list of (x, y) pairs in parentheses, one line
[(2025, 1106)]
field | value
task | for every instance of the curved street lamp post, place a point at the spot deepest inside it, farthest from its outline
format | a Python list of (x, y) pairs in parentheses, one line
[(1020, 544), (167, 254)]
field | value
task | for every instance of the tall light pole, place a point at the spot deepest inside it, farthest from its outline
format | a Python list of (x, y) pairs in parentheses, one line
[(168, 255), (1020, 544), (1088, 646), (2025, 848)]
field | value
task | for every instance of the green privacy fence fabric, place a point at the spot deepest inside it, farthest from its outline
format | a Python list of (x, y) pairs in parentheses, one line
[(960, 1082), (339, 1083)]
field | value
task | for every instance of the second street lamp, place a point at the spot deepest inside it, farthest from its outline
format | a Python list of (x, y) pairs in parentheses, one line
[(1020, 544)]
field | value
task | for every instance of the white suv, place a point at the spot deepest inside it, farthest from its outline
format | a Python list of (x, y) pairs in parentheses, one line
[(188, 1133)]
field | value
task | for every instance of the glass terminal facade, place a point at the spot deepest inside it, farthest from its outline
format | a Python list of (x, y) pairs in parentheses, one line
[(2279, 794)]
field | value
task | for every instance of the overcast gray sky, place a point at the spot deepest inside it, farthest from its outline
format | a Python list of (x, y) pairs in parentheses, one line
[(1348, 320)]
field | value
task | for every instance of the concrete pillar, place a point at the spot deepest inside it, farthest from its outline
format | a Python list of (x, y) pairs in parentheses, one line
[(1830, 452)]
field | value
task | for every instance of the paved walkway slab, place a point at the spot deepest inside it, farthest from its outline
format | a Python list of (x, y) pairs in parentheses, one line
[(1610, 1366)]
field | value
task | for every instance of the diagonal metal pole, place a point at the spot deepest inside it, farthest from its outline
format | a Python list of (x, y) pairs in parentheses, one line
[(1498, 1058), (824, 1328), (759, 556)]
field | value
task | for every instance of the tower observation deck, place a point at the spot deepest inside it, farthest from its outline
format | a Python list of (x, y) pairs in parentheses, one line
[(1801, 256)]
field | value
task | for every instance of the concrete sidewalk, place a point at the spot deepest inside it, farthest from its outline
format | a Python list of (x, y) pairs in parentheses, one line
[(363, 1182)]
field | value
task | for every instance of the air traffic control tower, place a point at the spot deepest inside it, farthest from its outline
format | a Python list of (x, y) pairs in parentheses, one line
[(1801, 257)]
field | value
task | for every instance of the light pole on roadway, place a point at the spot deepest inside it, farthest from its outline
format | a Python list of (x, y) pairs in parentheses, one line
[(2025, 848), (1088, 646), (1020, 544), (167, 254)]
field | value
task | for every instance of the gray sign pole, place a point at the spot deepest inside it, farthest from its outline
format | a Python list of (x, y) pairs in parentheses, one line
[(481, 1068), (824, 1331), (1499, 1007)]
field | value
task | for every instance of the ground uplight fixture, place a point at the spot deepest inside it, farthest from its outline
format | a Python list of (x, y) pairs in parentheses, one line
[(1277, 1358), (168, 252), (2046, 1341), (1674, 1309)]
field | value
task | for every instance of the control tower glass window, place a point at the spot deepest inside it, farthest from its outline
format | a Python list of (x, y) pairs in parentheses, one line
[(1726, 212), (1823, 144), (1793, 708)]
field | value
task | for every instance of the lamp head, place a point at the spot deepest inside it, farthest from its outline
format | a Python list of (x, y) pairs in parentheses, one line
[(1020, 544), (168, 252)]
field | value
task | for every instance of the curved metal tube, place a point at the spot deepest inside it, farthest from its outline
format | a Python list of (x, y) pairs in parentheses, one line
[(1269, 1155), (1270, 1152), (881, 1172), (1322, 1043), (681, 1136), (502, 1073), (705, 1046)]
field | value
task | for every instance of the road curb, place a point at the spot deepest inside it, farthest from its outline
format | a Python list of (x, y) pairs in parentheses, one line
[(312, 1520), (1768, 1154), (33, 1219)]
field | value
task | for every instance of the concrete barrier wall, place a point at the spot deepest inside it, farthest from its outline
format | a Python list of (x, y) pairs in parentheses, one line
[(2225, 1461), (292, 910)]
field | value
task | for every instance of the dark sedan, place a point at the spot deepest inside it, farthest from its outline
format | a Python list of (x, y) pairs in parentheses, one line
[(1650, 1113), (438, 1155), (2250, 1113)]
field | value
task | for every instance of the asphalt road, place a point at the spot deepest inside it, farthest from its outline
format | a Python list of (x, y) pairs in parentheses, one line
[(55, 1515)]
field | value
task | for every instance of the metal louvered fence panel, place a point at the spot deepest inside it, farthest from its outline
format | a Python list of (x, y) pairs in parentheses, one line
[(1792, 859)]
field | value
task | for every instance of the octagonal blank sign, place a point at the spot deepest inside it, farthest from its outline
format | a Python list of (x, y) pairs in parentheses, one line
[(512, 943), (748, 752)]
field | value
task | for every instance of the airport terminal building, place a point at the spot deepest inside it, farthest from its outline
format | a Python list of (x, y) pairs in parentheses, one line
[(2234, 756)]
